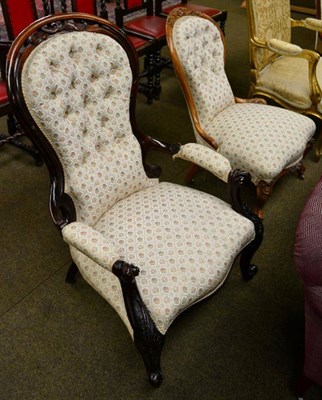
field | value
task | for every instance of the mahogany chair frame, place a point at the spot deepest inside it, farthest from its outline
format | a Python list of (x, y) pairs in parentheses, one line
[(147, 338), (219, 16)]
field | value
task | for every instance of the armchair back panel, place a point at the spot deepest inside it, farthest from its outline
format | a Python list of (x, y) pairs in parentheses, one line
[(81, 101), (269, 19), (201, 56)]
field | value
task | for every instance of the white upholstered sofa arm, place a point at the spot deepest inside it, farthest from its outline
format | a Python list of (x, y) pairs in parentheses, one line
[(91, 243), (284, 48), (206, 158)]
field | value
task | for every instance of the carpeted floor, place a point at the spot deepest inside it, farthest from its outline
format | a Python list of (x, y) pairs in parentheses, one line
[(64, 342)]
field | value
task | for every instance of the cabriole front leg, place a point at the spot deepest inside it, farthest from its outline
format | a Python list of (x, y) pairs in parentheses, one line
[(147, 338)]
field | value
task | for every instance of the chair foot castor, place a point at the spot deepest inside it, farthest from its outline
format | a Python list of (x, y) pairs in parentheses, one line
[(155, 378)]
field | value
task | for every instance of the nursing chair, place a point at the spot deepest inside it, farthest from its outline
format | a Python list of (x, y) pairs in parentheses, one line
[(280, 70), (308, 262), (264, 140), (150, 249)]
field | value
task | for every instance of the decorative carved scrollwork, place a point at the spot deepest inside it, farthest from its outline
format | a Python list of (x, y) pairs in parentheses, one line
[(180, 12), (148, 340), (236, 180)]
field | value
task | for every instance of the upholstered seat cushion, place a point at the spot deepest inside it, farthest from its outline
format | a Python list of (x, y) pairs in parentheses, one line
[(184, 242), (150, 25), (289, 84), (261, 139)]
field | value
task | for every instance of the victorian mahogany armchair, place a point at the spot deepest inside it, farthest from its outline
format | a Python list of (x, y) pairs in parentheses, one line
[(267, 141), (280, 70), (308, 262), (150, 249)]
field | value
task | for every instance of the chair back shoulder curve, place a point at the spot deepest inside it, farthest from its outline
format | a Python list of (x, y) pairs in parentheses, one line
[(268, 19), (76, 75), (197, 51)]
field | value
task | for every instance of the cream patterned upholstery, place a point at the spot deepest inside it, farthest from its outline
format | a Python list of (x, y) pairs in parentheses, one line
[(184, 242), (121, 213), (81, 102), (261, 139), (280, 70), (150, 249)]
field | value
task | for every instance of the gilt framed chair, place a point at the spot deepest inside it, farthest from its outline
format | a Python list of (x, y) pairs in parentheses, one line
[(280, 70), (150, 249), (264, 140)]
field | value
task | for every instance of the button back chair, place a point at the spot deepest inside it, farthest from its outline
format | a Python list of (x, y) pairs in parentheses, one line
[(280, 70), (266, 141), (150, 249)]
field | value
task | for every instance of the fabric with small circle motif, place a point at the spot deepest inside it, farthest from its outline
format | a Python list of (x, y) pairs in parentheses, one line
[(257, 138), (206, 158), (91, 243), (80, 100), (183, 241)]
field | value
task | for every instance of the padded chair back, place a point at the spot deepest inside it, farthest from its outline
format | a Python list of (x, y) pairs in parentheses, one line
[(197, 51), (78, 89), (268, 19)]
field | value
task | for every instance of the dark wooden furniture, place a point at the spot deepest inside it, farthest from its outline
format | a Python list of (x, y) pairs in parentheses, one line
[(219, 16), (148, 27), (111, 159), (17, 15)]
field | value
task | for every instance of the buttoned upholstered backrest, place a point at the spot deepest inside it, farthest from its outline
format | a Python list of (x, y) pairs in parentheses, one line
[(200, 49), (268, 19), (77, 87)]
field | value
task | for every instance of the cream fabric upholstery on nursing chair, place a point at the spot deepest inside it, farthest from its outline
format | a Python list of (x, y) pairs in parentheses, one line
[(263, 140), (280, 70), (150, 249)]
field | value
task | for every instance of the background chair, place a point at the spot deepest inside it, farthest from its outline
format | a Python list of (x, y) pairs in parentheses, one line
[(17, 15), (282, 71), (75, 95), (266, 141), (219, 16), (308, 262), (137, 19)]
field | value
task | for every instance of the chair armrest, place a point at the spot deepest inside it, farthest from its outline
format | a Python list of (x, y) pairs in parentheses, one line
[(91, 243), (206, 158), (283, 48), (310, 23)]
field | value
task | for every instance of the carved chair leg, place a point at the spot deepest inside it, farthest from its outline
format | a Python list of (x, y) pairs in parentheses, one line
[(318, 147), (192, 172), (157, 78), (71, 274), (249, 270), (150, 343), (147, 338), (263, 193)]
